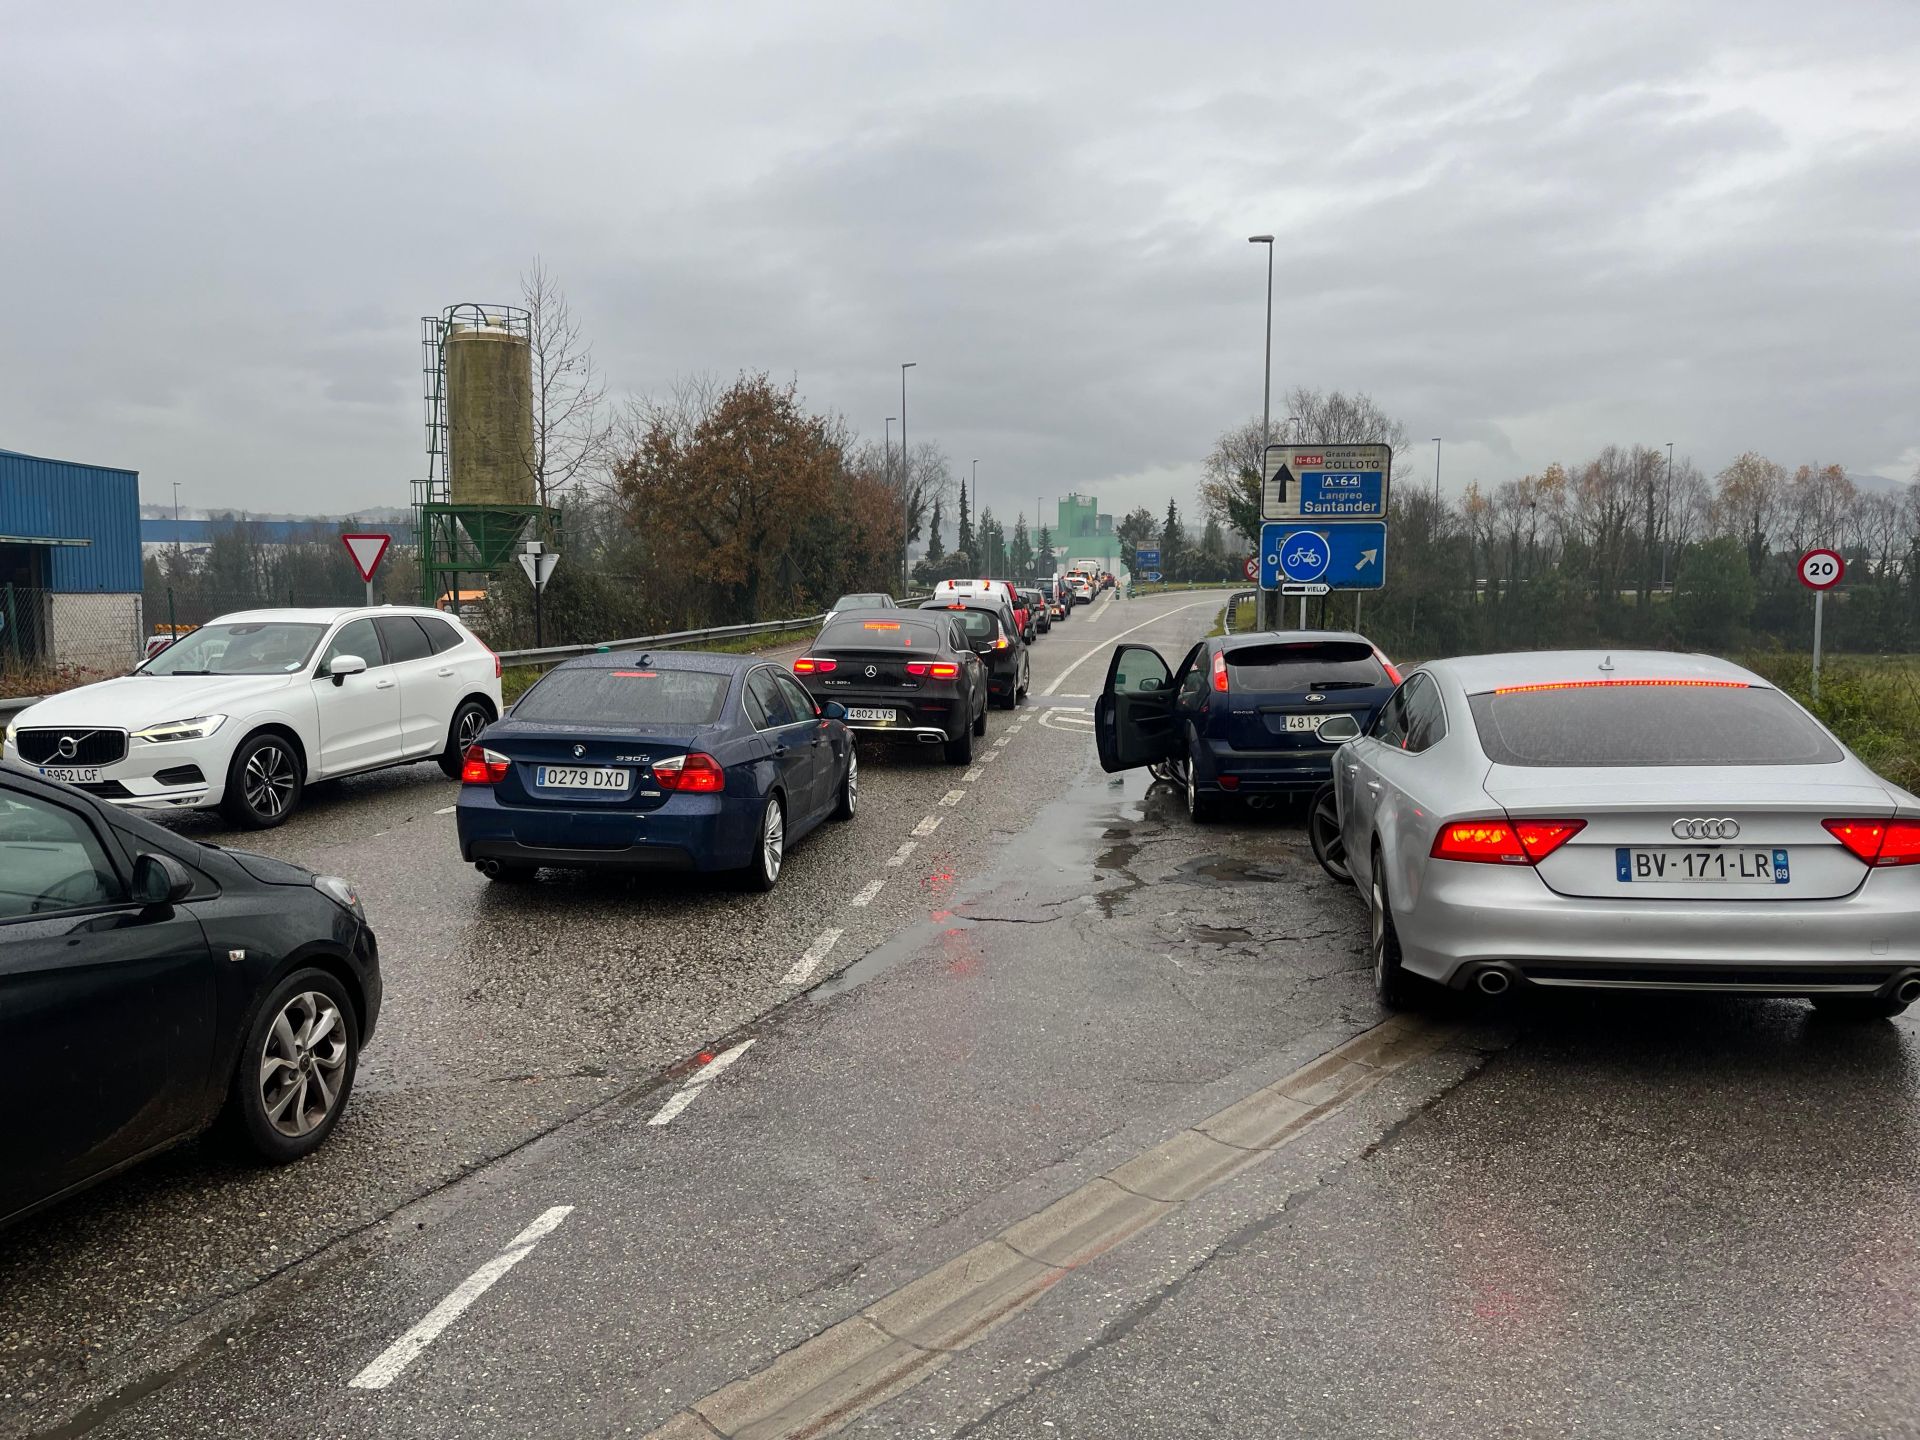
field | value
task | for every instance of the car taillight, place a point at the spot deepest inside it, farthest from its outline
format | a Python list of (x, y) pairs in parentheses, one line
[(1000, 642), (1387, 665), (1220, 671), (480, 766), (694, 773), (1879, 842), (813, 665), (1500, 842), (916, 667), (944, 672), (496, 665)]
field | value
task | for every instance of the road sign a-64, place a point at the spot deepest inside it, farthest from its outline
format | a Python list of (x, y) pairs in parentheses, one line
[(1822, 569)]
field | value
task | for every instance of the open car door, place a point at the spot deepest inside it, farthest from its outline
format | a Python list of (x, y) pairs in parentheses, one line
[(1133, 718)]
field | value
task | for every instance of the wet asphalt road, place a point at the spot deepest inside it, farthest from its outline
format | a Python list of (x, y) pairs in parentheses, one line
[(1615, 1217)]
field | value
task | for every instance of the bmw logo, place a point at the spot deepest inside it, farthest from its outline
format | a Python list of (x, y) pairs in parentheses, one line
[(578, 751)]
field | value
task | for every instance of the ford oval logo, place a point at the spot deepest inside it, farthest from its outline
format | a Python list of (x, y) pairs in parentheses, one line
[(1686, 829), (1315, 699)]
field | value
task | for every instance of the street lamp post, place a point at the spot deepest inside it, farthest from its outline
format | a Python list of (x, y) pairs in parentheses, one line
[(1270, 607), (1666, 527), (1436, 469), (906, 466)]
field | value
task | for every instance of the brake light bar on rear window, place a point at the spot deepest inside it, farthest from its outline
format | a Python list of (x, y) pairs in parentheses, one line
[(879, 624), (695, 773), (1878, 843), (1622, 684), (1498, 841), (813, 665), (480, 766)]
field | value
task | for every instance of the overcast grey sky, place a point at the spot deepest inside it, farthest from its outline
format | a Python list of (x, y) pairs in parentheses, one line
[(1529, 229)]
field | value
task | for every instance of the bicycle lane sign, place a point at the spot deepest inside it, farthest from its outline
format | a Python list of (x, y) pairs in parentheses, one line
[(1349, 556)]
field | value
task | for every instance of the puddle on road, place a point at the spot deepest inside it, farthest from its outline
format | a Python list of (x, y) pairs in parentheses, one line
[(1233, 870)]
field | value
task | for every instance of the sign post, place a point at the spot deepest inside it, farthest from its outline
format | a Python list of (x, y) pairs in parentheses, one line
[(1324, 514), (1820, 571), (367, 552), (539, 563)]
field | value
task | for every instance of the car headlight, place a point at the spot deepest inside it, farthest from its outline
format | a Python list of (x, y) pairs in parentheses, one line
[(12, 730), (341, 893), (197, 728)]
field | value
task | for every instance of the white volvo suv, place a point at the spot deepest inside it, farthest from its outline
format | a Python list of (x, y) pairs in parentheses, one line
[(248, 710)]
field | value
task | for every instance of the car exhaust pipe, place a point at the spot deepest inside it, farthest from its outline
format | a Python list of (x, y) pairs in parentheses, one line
[(1493, 981), (926, 739), (488, 868), (1908, 990)]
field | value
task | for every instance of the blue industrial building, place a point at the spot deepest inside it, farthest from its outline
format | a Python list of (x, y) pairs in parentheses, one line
[(69, 565)]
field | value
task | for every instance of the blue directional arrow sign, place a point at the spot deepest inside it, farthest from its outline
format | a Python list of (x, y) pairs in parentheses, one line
[(1350, 556), (1152, 577)]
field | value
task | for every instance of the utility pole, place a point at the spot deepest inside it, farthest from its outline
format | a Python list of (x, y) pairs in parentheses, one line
[(1436, 470), (906, 469), (1666, 531), (1269, 607)]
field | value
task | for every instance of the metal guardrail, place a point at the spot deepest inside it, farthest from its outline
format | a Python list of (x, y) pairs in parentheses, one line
[(554, 654), (1233, 606)]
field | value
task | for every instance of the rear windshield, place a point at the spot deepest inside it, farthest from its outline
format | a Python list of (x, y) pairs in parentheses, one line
[(640, 696), (1305, 665), (978, 624), (877, 635), (863, 602), (1648, 725)]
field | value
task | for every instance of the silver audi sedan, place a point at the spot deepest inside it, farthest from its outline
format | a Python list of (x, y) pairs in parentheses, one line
[(1626, 820)]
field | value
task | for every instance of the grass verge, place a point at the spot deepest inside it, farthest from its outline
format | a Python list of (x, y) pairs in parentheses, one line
[(1872, 703)]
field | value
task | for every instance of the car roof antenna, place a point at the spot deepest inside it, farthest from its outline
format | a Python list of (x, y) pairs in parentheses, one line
[(1606, 665)]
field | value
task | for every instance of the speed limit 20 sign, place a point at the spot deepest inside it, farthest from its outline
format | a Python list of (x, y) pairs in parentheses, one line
[(1821, 569)]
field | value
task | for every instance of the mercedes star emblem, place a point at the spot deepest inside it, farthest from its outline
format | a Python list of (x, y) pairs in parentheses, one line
[(872, 670)]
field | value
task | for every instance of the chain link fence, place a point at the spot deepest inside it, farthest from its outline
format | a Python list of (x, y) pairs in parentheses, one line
[(53, 640)]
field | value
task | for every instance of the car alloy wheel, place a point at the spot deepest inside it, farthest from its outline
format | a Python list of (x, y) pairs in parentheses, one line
[(303, 1064), (472, 721), (849, 788), (773, 841), (1390, 982), (1323, 833)]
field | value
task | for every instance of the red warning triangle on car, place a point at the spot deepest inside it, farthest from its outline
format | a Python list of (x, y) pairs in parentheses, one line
[(366, 551)]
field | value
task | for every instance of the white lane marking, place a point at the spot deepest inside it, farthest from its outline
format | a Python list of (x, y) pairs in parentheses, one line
[(1067, 720), (1075, 697), (953, 797), (990, 756), (1001, 743), (1061, 678), (697, 1081), (447, 811), (397, 1356), (973, 773), (811, 957), (899, 857), (927, 826), (865, 897)]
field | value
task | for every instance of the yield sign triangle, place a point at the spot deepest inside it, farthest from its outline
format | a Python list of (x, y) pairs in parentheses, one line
[(366, 551)]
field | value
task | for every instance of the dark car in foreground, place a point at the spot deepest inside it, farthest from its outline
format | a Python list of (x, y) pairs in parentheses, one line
[(151, 985), (1241, 715), (676, 761), (913, 678), (993, 635)]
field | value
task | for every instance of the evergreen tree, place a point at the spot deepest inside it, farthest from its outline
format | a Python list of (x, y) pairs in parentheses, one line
[(1045, 562), (936, 547), (1173, 542), (992, 541), (1022, 548), (964, 540), (1213, 562)]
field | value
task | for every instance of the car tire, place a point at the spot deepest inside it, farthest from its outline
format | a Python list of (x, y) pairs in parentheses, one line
[(1323, 834), (1859, 1007), (980, 720), (849, 800), (468, 721), (285, 1112), (1202, 807), (1391, 983), (960, 747), (264, 782), (769, 847)]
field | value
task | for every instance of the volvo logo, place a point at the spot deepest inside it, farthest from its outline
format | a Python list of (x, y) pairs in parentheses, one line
[(69, 747), (578, 751), (1706, 829), (872, 670)]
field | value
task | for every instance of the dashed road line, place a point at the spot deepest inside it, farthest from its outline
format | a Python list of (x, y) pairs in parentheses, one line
[(811, 957), (953, 797), (396, 1357), (991, 755), (899, 857), (972, 774), (447, 810), (927, 826), (700, 1079), (865, 897)]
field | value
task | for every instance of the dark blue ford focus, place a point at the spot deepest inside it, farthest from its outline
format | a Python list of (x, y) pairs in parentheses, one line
[(671, 761)]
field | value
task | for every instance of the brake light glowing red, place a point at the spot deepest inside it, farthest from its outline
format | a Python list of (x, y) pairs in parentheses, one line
[(496, 665), (880, 625), (1878, 843), (1220, 682), (1622, 684), (480, 766), (1393, 672), (1496, 841), (945, 672), (695, 773), (814, 665)]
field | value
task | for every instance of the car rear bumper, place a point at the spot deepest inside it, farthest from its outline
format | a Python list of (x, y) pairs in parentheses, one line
[(698, 832), (1264, 772), (1467, 918)]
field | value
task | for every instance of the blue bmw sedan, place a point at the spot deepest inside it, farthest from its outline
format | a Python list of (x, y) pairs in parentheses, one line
[(675, 761)]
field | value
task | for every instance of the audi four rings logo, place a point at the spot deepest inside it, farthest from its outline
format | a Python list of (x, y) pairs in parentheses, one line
[(1706, 829)]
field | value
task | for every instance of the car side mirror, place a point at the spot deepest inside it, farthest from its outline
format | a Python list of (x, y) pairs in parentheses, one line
[(345, 665), (160, 880), (833, 710), (1338, 729)]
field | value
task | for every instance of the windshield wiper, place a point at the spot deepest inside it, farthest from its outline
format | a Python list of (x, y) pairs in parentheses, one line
[(180, 672)]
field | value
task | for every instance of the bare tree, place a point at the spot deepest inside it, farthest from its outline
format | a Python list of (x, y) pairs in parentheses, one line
[(572, 424), (1332, 417)]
